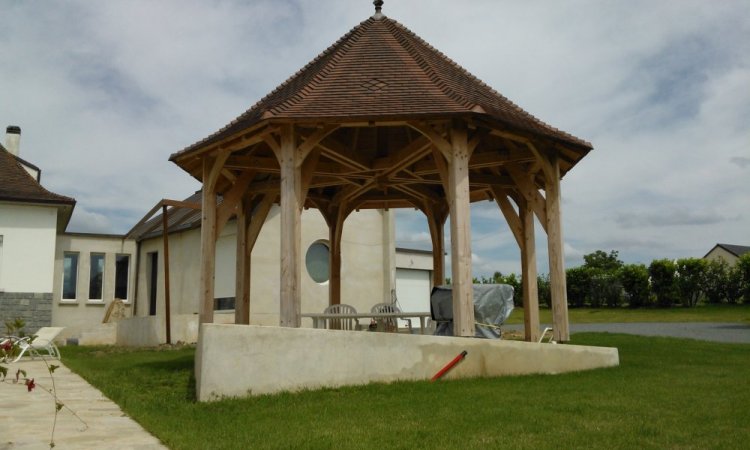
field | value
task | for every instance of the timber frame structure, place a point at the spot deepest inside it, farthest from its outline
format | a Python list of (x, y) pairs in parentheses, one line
[(383, 120)]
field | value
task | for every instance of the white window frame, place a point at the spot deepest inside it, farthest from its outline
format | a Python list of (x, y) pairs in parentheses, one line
[(78, 272), (1, 263), (127, 279), (104, 270)]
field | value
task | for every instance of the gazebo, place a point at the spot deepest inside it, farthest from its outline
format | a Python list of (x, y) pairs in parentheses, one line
[(383, 120)]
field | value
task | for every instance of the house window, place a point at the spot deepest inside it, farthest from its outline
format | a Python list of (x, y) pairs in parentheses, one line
[(122, 267), (1, 261), (70, 276), (96, 276), (316, 261)]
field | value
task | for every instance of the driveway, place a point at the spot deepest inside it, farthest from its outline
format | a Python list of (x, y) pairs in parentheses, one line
[(705, 331)]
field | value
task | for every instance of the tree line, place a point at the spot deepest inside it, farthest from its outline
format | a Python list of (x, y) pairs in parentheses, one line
[(605, 281)]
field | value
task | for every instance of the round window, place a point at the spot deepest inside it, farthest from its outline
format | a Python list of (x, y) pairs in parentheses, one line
[(316, 261)]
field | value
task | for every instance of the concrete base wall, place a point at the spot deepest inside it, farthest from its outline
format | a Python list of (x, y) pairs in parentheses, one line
[(241, 360), (150, 331), (34, 308), (102, 334)]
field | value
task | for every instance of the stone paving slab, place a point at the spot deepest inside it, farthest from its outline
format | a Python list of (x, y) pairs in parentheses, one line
[(26, 417)]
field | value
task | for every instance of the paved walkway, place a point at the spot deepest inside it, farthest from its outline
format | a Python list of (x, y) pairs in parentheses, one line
[(705, 331), (26, 417)]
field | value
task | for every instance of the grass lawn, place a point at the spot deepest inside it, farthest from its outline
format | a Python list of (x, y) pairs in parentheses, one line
[(667, 393), (701, 313)]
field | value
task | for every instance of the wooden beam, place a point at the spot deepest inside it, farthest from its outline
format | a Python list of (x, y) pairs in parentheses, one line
[(556, 256), (231, 144), (463, 291), (510, 214), (529, 190), (313, 140), (273, 144), (308, 170), (242, 265), (335, 220), (547, 166), (406, 156), (181, 204), (529, 273), (165, 238), (440, 143), (231, 200), (442, 167), (342, 154), (258, 163), (208, 243), (436, 217), (291, 210), (258, 219)]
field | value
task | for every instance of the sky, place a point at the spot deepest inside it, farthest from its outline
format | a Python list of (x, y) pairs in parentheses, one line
[(104, 92)]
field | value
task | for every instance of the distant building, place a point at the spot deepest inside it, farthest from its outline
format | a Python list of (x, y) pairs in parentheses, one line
[(727, 253)]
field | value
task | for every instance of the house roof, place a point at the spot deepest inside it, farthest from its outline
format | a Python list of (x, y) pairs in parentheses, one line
[(736, 250), (178, 218), (16, 185), (382, 71)]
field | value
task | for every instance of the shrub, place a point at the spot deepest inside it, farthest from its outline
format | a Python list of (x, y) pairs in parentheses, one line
[(545, 295), (634, 281), (716, 280), (733, 288), (578, 285), (514, 281), (605, 290), (662, 273), (690, 280), (742, 269)]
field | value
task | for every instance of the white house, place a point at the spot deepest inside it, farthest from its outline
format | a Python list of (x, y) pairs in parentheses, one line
[(367, 255), (31, 217), (49, 276)]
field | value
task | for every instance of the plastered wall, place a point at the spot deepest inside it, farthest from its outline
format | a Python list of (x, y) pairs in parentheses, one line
[(365, 270)]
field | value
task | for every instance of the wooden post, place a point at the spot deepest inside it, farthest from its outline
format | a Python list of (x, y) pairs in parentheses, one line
[(242, 276), (555, 251), (291, 210), (463, 291), (334, 261), (208, 242), (335, 215), (165, 238), (252, 228), (528, 272), (435, 222), (521, 224)]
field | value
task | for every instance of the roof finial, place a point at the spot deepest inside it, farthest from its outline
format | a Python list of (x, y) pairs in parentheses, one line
[(378, 7)]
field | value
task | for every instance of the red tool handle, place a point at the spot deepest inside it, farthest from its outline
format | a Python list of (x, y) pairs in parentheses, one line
[(449, 366)]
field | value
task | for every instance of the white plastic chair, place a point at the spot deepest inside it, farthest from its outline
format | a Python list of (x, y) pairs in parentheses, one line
[(389, 324), (343, 323)]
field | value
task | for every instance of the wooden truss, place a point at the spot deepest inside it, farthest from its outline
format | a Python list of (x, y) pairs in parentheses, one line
[(436, 166)]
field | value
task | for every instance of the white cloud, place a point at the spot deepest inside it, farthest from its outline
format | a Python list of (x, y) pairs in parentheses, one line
[(84, 221), (105, 91)]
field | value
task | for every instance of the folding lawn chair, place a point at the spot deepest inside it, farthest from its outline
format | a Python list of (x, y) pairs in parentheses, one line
[(40, 344)]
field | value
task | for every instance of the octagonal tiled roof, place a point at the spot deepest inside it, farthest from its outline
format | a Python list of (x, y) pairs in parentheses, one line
[(382, 71)]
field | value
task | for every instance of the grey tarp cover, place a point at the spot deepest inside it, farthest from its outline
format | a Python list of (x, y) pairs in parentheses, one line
[(493, 303)]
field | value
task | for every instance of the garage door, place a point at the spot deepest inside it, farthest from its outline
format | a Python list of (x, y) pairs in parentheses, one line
[(413, 289)]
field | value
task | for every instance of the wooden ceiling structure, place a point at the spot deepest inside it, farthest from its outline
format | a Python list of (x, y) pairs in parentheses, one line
[(382, 120)]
